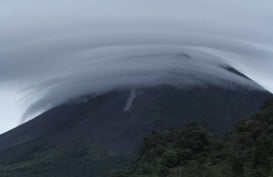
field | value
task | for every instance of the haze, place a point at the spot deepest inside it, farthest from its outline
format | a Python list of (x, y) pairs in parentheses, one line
[(53, 51)]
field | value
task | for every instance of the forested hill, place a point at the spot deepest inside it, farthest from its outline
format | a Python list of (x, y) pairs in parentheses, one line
[(247, 151)]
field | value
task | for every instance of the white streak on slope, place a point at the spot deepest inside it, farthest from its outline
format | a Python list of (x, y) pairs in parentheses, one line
[(130, 100)]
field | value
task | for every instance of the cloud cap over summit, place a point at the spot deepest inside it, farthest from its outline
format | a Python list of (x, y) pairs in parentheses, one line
[(53, 51)]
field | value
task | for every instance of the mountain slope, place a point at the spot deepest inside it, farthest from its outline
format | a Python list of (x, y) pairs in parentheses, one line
[(247, 151), (102, 119), (77, 159), (113, 124)]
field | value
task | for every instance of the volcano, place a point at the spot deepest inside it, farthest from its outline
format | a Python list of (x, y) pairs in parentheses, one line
[(93, 134)]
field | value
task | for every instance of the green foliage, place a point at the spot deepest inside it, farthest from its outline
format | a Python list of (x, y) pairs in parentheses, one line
[(170, 158), (195, 169), (70, 161), (247, 151), (237, 165)]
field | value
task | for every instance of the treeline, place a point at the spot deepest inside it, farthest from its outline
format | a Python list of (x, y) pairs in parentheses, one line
[(247, 151)]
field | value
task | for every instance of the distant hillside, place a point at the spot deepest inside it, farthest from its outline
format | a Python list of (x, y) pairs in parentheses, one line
[(74, 160), (247, 151)]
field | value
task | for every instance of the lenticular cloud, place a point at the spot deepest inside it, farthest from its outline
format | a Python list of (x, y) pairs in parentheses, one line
[(55, 51)]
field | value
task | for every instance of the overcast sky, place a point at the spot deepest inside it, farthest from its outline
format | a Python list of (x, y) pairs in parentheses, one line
[(51, 51)]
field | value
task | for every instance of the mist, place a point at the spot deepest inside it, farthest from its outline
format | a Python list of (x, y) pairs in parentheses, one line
[(51, 52)]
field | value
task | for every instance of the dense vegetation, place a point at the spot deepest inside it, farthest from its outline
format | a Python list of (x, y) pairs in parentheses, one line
[(247, 151), (78, 160)]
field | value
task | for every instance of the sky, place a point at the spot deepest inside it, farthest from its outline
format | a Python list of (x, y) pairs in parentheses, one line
[(53, 51)]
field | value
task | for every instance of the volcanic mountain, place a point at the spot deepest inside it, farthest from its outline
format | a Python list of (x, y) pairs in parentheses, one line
[(93, 134)]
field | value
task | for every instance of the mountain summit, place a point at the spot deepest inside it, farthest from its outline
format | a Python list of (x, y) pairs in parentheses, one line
[(104, 130)]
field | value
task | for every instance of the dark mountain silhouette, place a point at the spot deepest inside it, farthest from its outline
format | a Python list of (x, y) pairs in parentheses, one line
[(95, 134)]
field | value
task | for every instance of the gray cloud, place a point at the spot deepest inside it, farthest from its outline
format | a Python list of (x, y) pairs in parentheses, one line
[(51, 52)]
